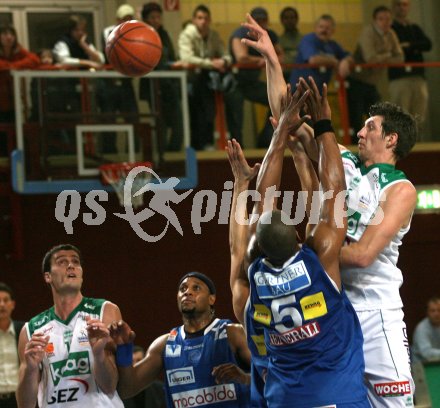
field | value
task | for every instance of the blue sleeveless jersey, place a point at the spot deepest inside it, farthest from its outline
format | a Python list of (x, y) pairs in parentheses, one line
[(312, 335), (188, 365), (257, 347)]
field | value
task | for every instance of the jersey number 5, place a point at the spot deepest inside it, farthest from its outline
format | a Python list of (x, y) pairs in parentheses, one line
[(282, 310)]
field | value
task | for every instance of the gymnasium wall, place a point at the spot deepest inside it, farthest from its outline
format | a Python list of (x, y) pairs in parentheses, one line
[(142, 277)]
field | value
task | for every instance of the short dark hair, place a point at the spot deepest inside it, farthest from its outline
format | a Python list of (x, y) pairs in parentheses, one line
[(276, 239), (286, 10), (433, 299), (396, 120), (327, 17), (74, 21), (62, 247), (7, 289), (149, 8), (381, 9), (203, 9)]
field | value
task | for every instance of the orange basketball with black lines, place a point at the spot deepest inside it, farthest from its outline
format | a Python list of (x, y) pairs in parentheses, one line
[(133, 48)]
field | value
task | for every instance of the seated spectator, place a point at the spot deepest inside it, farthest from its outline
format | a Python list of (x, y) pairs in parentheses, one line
[(73, 48), (377, 43), (203, 48), (249, 85), (116, 95), (426, 339), (290, 38), (319, 48), (12, 56), (169, 88)]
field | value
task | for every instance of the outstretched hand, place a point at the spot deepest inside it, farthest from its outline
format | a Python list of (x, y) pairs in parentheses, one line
[(35, 350), (240, 167), (260, 39), (317, 104), (290, 109), (99, 335), (121, 332)]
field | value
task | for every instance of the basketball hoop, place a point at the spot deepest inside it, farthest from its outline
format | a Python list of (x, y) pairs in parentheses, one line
[(116, 174)]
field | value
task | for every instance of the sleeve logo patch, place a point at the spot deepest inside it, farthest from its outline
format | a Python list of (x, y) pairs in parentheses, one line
[(259, 343), (313, 306), (262, 314)]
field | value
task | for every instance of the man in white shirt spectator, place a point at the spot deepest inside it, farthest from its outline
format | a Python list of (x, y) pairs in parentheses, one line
[(9, 331)]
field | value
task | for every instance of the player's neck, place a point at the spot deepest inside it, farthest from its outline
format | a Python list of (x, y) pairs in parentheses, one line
[(194, 323), (65, 304)]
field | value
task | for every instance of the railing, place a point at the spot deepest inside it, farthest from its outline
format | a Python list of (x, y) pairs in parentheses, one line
[(221, 126)]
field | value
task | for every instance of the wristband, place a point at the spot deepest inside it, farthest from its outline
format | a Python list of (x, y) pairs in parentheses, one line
[(124, 355), (322, 126)]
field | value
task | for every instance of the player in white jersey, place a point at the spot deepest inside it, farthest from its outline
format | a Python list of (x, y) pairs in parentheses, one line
[(66, 353), (380, 217)]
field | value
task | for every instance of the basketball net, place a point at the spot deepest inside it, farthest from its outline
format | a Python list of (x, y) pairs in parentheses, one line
[(115, 174)]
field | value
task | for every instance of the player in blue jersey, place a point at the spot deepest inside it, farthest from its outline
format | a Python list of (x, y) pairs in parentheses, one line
[(199, 359), (312, 334), (381, 201)]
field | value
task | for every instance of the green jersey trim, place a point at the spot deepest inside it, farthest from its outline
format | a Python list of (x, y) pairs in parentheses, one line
[(87, 305), (346, 154)]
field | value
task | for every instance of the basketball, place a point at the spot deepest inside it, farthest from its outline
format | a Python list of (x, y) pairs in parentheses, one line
[(133, 48)]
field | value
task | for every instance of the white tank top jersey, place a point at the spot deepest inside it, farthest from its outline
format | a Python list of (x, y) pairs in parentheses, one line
[(67, 370), (377, 285)]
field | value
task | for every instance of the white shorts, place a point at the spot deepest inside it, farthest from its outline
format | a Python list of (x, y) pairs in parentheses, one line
[(387, 360)]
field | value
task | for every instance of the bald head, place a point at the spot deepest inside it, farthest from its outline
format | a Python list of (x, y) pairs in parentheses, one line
[(276, 239)]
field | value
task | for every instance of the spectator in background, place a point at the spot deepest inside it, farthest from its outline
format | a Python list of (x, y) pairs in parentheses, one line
[(203, 48), (250, 86), (73, 48), (377, 43), (12, 56), (153, 396), (319, 48), (170, 106), (9, 332), (409, 88), (426, 339), (290, 38), (116, 95)]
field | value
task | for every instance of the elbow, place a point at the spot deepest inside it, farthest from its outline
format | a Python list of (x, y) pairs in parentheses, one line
[(363, 260), (108, 389)]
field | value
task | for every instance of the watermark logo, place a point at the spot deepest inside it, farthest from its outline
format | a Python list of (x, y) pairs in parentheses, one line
[(205, 204)]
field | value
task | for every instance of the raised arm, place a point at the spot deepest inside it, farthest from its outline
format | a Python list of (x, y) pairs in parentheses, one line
[(269, 176), (133, 379), (103, 348), (329, 234), (276, 85), (31, 353), (307, 177), (238, 230)]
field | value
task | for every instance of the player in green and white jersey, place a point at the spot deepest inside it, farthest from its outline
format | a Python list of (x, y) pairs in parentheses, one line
[(382, 202), (66, 353)]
